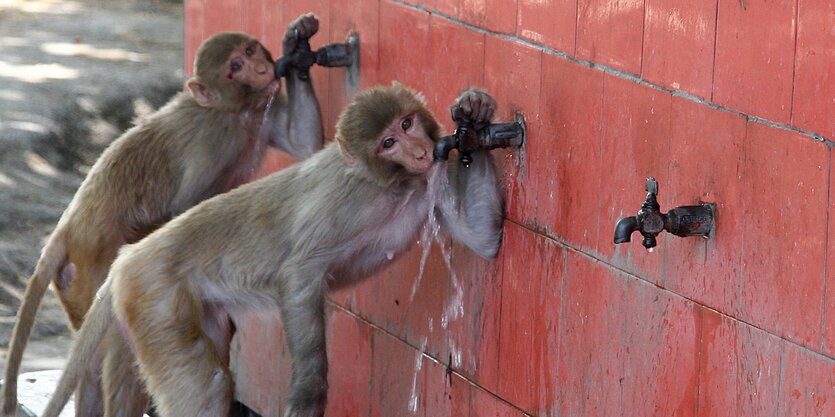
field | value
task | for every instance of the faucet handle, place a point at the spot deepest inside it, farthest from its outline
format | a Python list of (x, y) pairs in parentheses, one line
[(652, 185)]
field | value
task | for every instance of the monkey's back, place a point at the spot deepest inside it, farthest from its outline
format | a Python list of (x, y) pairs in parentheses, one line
[(152, 172), (308, 214)]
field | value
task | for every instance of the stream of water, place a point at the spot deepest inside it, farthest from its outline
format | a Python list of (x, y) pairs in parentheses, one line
[(440, 195)]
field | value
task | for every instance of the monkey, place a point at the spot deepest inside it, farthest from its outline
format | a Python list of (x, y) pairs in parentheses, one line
[(282, 242), (206, 140)]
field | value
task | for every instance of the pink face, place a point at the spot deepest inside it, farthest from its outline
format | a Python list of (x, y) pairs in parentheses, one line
[(407, 143), (249, 64)]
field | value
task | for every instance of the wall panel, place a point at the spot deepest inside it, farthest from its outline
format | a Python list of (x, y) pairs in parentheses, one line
[(722, 101)]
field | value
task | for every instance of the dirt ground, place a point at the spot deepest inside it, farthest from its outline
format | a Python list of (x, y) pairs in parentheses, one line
[(73, 75)]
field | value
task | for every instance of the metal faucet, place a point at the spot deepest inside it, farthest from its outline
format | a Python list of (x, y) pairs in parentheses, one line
[(681, 221), (467, 140), (333, 55)]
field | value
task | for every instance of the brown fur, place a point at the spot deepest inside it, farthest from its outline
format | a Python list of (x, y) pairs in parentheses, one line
[(280, 242), (184, 153)]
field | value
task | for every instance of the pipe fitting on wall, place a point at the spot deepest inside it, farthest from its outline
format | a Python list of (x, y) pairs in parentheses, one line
[(681, 221), (467, 140), (303, 57)]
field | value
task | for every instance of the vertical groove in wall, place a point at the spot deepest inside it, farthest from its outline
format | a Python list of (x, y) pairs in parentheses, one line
[(601, 134), (781, 371), (377, 41), (516, 20), (715, 48), (576, 27), (701, 335), (429, 25), (497, 365), (739, 304), (371, 343), (794, 61), (826, 251), (643, 40), (483, 56), (561, 310), (629, 284)]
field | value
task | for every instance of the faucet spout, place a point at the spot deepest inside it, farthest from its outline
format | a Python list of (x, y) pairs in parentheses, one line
[(444, 146), (624, 229)]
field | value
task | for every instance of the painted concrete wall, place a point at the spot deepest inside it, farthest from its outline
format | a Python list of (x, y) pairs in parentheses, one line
[(726, 101)]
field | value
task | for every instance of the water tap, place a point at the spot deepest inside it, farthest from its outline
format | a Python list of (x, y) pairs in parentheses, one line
[(333, 55), (467, 140), (681, 221)]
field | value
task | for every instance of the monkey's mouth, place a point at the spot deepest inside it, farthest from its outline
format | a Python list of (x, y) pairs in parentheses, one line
[(420, 166), (262, 97), (271, 88)]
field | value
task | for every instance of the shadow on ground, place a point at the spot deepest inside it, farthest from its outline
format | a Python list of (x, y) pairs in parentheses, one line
[(73, 76)]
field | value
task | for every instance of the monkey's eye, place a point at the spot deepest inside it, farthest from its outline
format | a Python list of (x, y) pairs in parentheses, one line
[(388, 142), (250, 51), (236, 66), (406, 124)]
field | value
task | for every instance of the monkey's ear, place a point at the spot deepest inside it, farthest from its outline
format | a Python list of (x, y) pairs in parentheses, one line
[(351, 160), (203, 95)]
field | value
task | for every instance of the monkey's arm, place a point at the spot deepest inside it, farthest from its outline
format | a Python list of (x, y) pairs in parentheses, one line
[(298, 126), (302, 295), (471, 208), (305, 119), (473, 211)]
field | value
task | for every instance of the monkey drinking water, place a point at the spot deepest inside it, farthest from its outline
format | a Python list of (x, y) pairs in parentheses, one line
[(280, 243), (206, 140)]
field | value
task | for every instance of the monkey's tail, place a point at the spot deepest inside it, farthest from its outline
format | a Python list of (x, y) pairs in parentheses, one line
[(87, 340), (52, 260)]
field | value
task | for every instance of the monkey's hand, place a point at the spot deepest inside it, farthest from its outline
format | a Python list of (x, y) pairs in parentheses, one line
[(302, 28), (475, 106)]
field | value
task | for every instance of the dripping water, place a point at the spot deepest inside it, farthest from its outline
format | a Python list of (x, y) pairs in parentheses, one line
[(262, 138), (437, 181), (266, 116), (263, 131), (414, 398), (439, 195)]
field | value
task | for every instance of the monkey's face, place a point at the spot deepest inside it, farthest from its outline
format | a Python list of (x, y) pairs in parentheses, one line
[(251, 66), (405, 142), (390, 131)]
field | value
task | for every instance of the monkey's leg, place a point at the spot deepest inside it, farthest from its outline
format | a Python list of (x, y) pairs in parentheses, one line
[(88, 396), (182, 369), (303, 314), (124, 394), (77, 292), (77, 298)]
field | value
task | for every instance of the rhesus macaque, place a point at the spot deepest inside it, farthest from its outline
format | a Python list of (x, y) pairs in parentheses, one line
[(206, 140), (281, 242)]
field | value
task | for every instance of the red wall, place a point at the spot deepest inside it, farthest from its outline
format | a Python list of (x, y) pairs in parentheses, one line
[(726, 101)]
